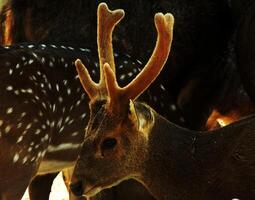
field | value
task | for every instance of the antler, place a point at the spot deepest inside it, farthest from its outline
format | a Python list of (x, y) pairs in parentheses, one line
[(116, 94), (91, 88), (164, 25), (106, 22)]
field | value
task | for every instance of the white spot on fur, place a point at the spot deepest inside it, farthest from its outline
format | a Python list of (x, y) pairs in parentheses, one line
[(9, 110), (9, 88), (15, 158), (62, 147)]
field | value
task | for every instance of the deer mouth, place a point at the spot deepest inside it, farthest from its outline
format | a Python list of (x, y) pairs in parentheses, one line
[(92, 190)]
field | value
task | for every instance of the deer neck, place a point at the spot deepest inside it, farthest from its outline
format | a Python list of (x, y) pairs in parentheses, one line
[(183, 164), (168, 167)]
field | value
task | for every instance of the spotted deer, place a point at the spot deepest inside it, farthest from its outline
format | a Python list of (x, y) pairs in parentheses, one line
[(127, 139), (43, 108)]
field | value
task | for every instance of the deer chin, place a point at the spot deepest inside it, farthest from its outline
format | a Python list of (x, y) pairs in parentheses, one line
[(92, 190)]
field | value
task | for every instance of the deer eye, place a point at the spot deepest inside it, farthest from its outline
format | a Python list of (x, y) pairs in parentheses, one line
[(108, 144)]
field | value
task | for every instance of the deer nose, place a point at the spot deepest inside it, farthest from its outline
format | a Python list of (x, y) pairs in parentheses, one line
[(77, 188)]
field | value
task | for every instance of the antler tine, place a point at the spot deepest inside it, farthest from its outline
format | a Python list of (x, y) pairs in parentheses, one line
[(88, 84), (7, 35), (164, 25), (107, 20), (113, 89)]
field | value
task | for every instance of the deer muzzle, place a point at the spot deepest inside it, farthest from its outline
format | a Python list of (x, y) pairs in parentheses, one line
[(81, 182), (77, 188), (80, 189)]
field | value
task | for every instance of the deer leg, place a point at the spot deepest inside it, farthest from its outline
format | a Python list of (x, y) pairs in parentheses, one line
[(40, 187), (13, 192), (14, 180)]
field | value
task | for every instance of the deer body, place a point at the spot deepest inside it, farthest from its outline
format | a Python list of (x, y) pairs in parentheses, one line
[(173, 162), (182, 164), (36, 109)]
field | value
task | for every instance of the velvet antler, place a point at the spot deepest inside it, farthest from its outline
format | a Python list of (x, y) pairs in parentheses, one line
[(106, 22), (116, 94), (164, 25)]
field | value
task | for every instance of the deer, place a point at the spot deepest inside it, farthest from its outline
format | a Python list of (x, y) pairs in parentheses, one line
[(127, 139), (14, 16), (43, 106)]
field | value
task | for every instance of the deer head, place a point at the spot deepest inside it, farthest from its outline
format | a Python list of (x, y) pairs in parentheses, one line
[(116, 128)]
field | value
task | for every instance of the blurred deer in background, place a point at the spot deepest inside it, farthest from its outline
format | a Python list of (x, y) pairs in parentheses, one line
[(127, 139)]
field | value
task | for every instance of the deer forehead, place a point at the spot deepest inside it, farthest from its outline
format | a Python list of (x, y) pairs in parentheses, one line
[(105, 122)]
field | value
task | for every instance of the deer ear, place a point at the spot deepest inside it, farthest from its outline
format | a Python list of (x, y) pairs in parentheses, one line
[(132, 114), (140, 116)]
